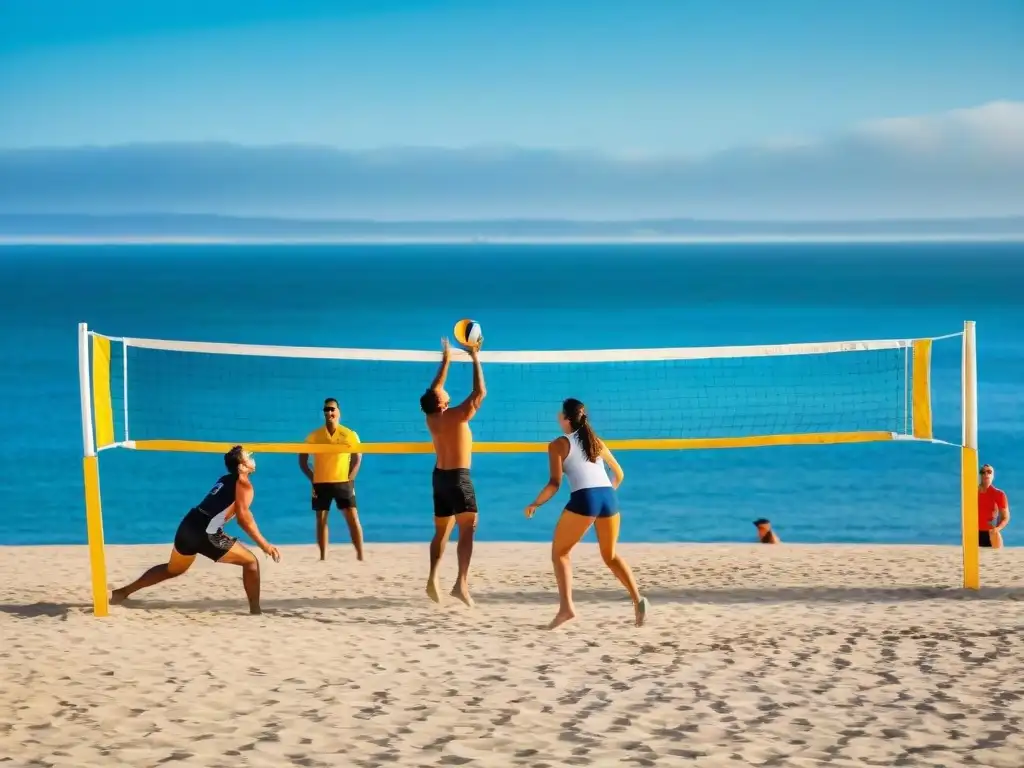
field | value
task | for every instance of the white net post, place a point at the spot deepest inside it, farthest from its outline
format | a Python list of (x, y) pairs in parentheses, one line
[(969, 460), (85, 391)]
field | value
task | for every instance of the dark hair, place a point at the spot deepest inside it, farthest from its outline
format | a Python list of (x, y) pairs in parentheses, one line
[(576, 412), (330, 400), (233, 458), (762, 521), (430, 402)]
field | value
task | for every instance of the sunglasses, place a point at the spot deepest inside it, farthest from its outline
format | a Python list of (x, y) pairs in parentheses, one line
[(986, 471), (328, 409)]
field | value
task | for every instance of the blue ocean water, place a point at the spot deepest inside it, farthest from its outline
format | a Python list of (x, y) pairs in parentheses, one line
[(526, 297)]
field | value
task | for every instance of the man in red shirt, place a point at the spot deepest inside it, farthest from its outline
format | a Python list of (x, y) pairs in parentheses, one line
[(993, 510)]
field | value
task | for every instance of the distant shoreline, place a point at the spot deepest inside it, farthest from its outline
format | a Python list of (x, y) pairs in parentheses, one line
[(130, 240), (733, 546)]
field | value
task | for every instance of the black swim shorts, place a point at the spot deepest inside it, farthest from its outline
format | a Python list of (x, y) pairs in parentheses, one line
[(192, 538), (453, 492), (342, 494)]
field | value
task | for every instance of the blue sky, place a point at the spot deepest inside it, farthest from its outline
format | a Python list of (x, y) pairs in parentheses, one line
[(674, 76)]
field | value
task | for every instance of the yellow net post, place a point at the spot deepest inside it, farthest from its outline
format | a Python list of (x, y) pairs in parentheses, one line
[(91, 470)]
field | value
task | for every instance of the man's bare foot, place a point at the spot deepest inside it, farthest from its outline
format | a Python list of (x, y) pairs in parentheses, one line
[(359, 556), (117, 596), (432, 591), (562, 618), (462, 593), (640, 609), (255, 611)]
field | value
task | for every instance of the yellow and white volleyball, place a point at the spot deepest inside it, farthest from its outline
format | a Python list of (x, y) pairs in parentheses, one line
[(468, 333)]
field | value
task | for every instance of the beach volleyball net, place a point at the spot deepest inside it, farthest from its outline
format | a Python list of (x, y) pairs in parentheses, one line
[(164, 395)]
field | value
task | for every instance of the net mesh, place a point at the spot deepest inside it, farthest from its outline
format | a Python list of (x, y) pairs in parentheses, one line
[(198, 396)]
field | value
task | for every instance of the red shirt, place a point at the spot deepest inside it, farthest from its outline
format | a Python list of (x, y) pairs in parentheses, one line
[(990, 501)]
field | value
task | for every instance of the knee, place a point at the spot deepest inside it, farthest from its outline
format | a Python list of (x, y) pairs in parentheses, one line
[(559, 553), (253, 566), (609, 556)]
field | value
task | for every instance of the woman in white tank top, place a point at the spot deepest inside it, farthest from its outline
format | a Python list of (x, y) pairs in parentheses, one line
[(581, 457)]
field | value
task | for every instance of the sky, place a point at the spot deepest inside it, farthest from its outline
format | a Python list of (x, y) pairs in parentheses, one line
[(676, 76), (746, 108)]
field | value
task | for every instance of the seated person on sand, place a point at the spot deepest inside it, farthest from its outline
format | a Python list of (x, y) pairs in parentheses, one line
[(765, 534)]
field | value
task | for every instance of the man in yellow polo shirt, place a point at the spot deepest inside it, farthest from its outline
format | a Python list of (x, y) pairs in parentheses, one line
[(332, 476)]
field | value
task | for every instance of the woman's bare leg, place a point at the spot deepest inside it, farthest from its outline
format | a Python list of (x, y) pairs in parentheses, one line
[(569, 530), (607, 539)]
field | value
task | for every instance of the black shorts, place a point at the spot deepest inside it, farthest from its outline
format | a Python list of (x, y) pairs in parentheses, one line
[(453, 492), (342, 494), (192, 538), (984, 538)]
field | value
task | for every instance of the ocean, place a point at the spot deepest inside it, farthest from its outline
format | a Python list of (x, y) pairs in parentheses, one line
[(526, 297)]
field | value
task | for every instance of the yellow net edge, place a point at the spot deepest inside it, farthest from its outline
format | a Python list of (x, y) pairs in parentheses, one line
[(628, 444)]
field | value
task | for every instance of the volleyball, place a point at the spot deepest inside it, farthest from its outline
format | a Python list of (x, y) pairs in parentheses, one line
[(468, 333)]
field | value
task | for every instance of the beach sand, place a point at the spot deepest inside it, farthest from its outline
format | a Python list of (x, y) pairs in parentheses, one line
[(785, 656)]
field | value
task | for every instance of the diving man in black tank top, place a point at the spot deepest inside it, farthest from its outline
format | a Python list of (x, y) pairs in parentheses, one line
[(201, 532)]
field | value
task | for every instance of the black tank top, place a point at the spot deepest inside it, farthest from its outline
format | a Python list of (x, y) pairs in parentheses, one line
[(220, 497)]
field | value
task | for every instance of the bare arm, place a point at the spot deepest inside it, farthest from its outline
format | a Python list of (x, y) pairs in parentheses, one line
[(617, 474), (304, 466), (355, 460), (243, 513), (467, 408), (1003, 517), (557, 451), (442, 371)]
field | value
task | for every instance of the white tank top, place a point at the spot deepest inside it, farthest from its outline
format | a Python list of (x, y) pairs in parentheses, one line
[(581, 472)]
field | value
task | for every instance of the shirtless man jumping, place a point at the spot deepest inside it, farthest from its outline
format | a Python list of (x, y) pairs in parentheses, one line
[(454, 496)]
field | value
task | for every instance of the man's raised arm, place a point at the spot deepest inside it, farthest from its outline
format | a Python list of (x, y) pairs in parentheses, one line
[(471, 404), (442, 371)]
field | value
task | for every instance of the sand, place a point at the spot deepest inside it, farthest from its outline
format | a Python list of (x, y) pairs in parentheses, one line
[(772, 656)]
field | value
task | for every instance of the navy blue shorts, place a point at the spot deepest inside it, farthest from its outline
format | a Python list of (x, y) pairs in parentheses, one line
[(594, 502)]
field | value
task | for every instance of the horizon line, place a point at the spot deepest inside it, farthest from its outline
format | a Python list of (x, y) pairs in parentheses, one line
[(27, 241), (604, 221)]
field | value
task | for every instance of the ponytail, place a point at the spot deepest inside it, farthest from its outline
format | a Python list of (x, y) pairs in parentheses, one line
[(576, 413)]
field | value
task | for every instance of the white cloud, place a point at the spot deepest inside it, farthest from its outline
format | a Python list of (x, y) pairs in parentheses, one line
[(996, 128)]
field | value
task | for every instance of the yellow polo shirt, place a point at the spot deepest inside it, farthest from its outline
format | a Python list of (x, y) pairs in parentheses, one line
[(332, 467)]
